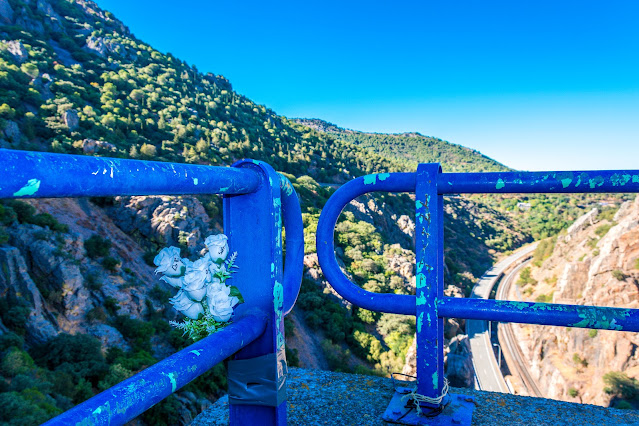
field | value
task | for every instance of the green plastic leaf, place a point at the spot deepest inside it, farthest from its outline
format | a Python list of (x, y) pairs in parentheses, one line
[(236, 292)]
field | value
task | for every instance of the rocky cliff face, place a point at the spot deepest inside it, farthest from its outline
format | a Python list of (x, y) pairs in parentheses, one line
[(63, 286), (53, 282), (595, 263), (52, 272), (168, 221)]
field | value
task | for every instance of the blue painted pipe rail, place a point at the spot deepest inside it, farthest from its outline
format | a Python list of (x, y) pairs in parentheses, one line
[(29, 174), (579, 316), (539, 182), (447, 183), (130, 398), (257, 204), (429, 304), (294, 260)]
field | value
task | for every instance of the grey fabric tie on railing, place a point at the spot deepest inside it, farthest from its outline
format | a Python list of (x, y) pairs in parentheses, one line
[(254, 381)]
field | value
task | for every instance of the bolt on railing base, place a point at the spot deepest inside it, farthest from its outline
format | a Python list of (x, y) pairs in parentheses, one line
[(458, 410)]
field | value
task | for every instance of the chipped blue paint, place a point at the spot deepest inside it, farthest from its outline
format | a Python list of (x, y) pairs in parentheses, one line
[(226, 188), (500, 184), (566, 182), (596, 181), (278, 303), (30, 188), (603, 318), (620, 179), (370, 179), (195, 181), (171, 377), (420, 281), (517, 305), (420, 321), (196, 352), (421, 300), (383, 176), (435, 380)]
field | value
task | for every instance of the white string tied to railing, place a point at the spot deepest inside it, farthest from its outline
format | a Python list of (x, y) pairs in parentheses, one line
[(417, 397)]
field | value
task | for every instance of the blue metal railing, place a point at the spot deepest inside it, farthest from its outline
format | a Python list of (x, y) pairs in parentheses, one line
[(430, 305), (256, 202)]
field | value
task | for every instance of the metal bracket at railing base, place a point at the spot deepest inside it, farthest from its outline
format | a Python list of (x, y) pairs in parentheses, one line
[(458, 410), (258, 381)]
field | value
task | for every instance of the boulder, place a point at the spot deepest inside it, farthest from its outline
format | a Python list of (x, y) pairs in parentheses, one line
[(71, 119), (91, 146), (108, 336), (17, 50), (459, 365), (581, 223), (407, 225), (12, 132), (168, 220), (96, 45)]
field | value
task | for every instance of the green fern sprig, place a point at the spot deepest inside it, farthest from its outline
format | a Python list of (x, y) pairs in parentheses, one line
[(199, 328), (230, 269)]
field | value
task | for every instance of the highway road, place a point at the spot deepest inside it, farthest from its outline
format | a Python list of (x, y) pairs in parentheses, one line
[(487, 373), (517, 363)]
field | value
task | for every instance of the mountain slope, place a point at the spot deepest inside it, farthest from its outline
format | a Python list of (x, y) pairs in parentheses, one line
[(411, 149)]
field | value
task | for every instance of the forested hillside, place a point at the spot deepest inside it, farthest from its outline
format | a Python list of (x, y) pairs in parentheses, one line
[(73, 79), (411, 149)]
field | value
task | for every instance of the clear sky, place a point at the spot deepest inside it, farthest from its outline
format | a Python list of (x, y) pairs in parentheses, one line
[(537, 85)]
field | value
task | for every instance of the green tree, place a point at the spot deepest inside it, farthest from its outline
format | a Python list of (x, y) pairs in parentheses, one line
[(30, 69), (148, 150)]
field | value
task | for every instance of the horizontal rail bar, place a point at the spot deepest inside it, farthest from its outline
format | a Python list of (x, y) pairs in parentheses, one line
[(539, 182), (27, 174), (130, 398), (294, 261), (540, 313)]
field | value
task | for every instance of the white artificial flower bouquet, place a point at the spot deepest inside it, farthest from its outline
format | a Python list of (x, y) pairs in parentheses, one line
[(203, 296)]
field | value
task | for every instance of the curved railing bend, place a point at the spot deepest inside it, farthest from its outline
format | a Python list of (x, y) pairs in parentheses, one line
[(429, 304)]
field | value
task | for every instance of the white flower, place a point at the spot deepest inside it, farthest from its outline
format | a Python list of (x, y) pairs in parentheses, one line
[(177, 282), (169, 262), (196, 277), (188, 307), (219, 302), (218, 247), (215, 268)]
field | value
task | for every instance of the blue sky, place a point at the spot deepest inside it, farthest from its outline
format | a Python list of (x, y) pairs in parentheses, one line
[(537, 85)]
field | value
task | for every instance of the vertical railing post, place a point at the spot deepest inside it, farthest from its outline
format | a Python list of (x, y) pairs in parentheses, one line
[(429, 247), (253, 224)]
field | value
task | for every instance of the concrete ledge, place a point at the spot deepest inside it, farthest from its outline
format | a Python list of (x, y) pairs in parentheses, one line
[(317, 397)]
